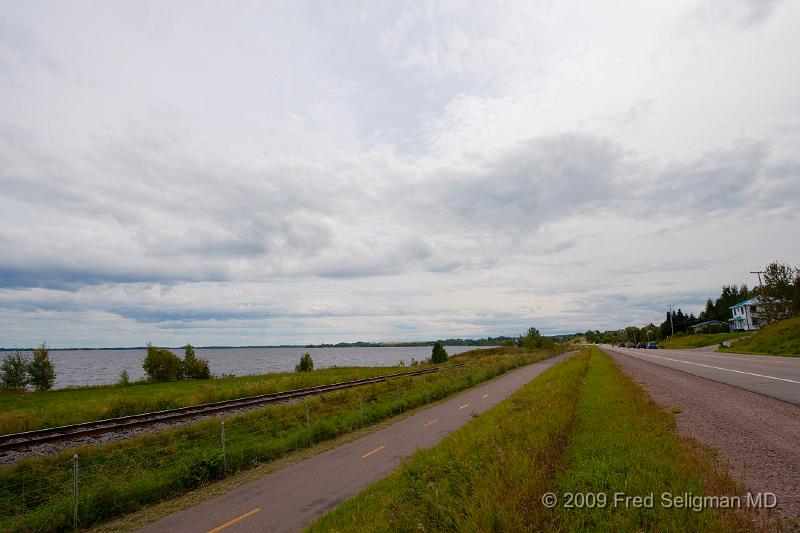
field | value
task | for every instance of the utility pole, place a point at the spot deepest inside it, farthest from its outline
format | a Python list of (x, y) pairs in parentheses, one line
[(759, 272), (671, 325)]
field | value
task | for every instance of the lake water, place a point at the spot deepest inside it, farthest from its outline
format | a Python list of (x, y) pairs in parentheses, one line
[(100, 367)]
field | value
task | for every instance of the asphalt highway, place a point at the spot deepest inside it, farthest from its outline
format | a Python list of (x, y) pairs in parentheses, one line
[(291, 498), (773, 376)]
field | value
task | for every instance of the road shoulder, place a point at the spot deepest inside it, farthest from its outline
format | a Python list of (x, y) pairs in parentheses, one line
[(756, 436)]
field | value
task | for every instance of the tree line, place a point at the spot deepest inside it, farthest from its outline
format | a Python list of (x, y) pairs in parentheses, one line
[(486, 341), (778, 297)]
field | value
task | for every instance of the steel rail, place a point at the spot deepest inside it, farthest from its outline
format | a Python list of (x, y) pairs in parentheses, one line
[(26, 439)]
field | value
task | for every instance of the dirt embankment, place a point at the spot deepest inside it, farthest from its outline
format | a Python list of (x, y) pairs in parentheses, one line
[(758, 437)]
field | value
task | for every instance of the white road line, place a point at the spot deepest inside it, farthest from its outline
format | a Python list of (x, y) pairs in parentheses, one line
[(717, 367)]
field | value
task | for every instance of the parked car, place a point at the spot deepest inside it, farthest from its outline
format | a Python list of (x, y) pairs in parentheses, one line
[(652, 345), (621, 345), (630, 345), (641, 345)]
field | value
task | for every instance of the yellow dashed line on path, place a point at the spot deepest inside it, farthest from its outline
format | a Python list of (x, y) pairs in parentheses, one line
[(463, 406), (431, 422), (235, 520), (376, 450), (484, 396)]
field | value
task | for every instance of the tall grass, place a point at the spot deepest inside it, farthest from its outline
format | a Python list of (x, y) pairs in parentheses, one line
[(780, 338), (118, 478), (624, 443), (684, 342), (582, 426)]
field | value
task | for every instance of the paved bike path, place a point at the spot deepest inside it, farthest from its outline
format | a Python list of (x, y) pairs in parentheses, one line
[(291, 498)]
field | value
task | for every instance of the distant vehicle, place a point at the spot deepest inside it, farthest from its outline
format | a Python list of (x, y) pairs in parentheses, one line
[(621, 345), (652, 345), (630, 345), (641, 345)]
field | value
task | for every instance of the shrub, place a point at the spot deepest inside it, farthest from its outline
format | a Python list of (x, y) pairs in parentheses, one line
[(438, 354), (41, 372), (124, 380), (14, 371), (192, 366), (161, 365), (534, 340), (306, 364)]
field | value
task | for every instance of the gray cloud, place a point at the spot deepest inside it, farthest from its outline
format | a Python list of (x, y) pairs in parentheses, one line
[(718, 180), (357, 171), (743, 13), (535, 181)]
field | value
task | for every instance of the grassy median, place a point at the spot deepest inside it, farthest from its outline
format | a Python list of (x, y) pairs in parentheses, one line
[(581, 427), (115, 479), (624, 444)]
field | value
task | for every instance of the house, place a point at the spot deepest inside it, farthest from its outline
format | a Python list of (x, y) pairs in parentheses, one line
[(745, 315), (708, 326)]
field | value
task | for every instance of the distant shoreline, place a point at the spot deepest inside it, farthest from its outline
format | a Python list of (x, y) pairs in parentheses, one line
[(492, 341)]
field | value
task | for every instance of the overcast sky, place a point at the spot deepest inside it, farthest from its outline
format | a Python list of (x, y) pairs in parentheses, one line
[(294, 172)]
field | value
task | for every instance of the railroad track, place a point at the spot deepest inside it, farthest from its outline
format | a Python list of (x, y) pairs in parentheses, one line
[(26, 439)]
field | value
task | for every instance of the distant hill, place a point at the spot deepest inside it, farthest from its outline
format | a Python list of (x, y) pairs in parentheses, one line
[(780, 338)]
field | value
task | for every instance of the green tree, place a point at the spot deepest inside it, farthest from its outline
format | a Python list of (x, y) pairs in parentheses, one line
[(192, 366), (438, 354), (161, 365), (14, 371), (729, 296), (796, 294), (533, 340), (41, 372), (777, 293), (306, 364)]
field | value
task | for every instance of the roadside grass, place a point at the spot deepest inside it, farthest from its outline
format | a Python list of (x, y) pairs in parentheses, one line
[(780, 338), (624, 443), (36, 494), (25, 411), (582, 426), (698, 341)]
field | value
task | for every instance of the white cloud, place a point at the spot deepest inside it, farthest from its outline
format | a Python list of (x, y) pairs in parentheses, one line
[(252, 175)]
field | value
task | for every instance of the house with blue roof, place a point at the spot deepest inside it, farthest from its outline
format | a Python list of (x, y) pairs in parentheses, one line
[(744, 315)]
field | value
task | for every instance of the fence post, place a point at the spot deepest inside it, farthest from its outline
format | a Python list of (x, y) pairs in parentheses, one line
[(224, 454), (75, 491), (308, 424), (361, 408), (400, 405)]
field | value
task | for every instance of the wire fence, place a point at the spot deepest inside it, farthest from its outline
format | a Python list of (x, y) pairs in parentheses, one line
[(91, 484)]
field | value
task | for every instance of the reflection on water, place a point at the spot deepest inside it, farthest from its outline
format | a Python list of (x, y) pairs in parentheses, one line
[(99, 367)]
